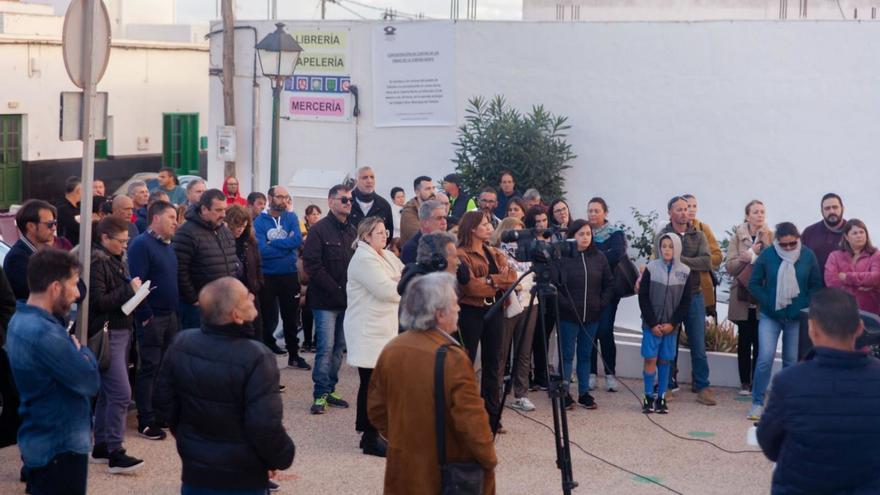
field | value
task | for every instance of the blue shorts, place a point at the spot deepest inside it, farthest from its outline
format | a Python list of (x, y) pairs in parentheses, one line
[(658, 347)]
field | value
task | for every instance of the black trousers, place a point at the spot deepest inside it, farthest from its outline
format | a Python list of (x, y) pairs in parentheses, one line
[(308, 324), (362, 420), (285, 290), (541, 341), (488, 336), (65, 474), (152, 340), (747, 346)]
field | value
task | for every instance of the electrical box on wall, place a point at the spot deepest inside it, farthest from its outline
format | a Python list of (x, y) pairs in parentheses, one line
[(143, 143)]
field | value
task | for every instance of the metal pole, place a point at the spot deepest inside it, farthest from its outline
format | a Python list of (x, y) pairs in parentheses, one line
[(277, 86), (88, 163)]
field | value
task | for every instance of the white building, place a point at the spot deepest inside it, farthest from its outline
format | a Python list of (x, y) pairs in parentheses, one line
[(697, 10), (157, 110), (730, 111)]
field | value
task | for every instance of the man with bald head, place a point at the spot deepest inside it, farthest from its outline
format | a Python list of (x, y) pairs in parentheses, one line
[(367, 203), (279, 238), (230, 438), (123, 207)]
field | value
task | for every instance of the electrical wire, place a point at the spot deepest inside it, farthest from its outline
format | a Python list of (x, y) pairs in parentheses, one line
[(594, 456), (842, 15), (396, 12), (335, 2)]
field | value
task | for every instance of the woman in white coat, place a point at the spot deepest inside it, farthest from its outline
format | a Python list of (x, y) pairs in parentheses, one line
[(371, 315)]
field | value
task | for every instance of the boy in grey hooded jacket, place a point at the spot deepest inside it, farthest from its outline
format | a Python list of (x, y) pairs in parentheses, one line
[(664, 298)]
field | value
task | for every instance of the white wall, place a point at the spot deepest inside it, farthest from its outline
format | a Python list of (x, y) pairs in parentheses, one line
[(143, 81), (730, 111)]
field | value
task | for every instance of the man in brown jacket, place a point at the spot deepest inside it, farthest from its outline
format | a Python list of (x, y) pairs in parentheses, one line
[(401, 397), (409, 214)]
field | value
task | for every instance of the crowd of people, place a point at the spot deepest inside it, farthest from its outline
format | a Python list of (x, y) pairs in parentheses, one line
[(387, 287)]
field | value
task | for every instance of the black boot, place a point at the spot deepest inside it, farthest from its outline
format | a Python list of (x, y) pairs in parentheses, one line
[(373, 444)]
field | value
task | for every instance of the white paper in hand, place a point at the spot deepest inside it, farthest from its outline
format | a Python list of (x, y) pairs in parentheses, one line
[(137, 298)]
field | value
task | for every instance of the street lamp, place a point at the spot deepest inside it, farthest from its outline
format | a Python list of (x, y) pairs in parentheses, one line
[(279, 53)]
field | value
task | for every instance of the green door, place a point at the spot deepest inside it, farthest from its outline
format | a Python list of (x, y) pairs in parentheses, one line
[(10, 160), (180, 142)]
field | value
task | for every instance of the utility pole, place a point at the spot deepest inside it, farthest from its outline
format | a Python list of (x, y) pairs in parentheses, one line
[(228, 12), (323, 9)]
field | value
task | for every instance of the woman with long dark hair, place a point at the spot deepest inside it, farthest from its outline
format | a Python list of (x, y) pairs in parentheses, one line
[(239, 221), (313, 214), (560, 213), (490, 276), (855, 267)]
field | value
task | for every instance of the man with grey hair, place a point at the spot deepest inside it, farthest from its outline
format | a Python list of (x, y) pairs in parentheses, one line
[(436, 253), (432, 218), (532, 197), (140, 198), (123, 207), (401, 398), (194, 190), (367, 203)]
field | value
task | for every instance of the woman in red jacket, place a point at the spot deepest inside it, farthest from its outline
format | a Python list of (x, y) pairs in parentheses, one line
[(855, 267)]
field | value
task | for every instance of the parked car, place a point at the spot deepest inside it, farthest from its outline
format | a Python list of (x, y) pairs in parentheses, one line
[(152, 180)]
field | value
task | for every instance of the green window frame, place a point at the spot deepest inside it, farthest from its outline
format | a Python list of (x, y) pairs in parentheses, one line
[(10, 160), (180, 142)]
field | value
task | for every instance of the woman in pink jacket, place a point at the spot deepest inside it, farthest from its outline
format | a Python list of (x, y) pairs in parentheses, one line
[(855, 267)]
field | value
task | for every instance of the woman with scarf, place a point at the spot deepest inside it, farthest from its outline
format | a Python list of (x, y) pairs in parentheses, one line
[(612, 243), (664, 298), (783, 279)]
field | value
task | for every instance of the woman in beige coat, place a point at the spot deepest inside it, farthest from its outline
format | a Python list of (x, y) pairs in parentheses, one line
[(371, 315), (745, 246)]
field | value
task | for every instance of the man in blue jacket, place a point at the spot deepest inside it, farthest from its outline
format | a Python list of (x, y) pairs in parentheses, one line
[(56, 378), (278, 235), (820, 425)]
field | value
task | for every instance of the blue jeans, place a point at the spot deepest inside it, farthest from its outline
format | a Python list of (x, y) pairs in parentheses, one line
[(115, 394), (329, 345), (768, 337), (195, 490), (577, 339), (695, 326)]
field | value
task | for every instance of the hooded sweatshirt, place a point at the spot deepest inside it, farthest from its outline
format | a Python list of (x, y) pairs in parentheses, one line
[(664, 286), (234, 199)]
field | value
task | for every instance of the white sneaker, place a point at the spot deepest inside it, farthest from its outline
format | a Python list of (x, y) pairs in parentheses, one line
[(611, 383), (523, 404), (593, 379), (744, 392), (755, 412)]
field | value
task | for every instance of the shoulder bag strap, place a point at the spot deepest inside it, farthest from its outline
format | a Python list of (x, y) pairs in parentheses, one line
[(440, 404)]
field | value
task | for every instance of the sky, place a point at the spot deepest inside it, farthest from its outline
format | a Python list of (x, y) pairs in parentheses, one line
[(193, 11)]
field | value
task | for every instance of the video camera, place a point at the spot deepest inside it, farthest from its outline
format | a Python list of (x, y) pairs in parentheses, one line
[(540, 245)]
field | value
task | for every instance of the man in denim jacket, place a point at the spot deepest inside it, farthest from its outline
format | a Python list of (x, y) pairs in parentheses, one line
[(56, 378)]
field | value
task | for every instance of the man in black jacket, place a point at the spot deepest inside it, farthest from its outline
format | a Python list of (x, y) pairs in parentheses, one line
[(68, 210), (205, 251), (218, 391), (820, 425), (367, 203), (328, 249), (36, 223)]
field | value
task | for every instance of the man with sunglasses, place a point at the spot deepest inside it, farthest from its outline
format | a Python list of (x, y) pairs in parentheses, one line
[(695, 254), (38, 226), (328, 250), (279, 238)]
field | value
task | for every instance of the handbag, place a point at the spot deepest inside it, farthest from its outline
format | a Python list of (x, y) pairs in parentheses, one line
[(625, 275), (100, 347), (456, 478), (742, 281)]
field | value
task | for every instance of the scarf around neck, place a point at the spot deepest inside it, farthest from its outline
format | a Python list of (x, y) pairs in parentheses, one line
[(362, 196), (601, 234), (786, 278)]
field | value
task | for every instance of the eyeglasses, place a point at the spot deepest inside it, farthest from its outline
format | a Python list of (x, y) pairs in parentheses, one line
[(786, 245), (51, 224), (344, 199), (229, 184), (560, 210), (120, 241), (488, 200), (383, 233)]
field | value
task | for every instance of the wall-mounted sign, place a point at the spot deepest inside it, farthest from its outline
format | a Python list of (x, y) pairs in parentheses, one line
[(319, 88), (226, 143)]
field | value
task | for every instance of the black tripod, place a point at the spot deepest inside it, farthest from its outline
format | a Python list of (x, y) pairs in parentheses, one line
[(546, 293)]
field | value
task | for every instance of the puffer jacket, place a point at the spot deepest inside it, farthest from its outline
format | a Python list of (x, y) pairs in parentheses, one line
[(110, 288), (204, 254), (218, 391), (590, 283)]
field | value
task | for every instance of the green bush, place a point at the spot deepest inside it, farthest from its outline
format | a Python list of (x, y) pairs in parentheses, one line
[(496, 137)]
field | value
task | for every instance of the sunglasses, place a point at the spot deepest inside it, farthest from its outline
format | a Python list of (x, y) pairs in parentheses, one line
[(50, 224), (786, 245), (344, 200)]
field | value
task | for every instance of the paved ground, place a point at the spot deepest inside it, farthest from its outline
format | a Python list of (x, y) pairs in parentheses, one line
[(328, 459)]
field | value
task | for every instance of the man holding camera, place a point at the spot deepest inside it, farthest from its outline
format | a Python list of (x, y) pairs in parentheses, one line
[(820, 425)]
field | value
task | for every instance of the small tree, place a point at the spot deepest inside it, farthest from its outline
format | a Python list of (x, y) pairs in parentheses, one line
[(496, 137)]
